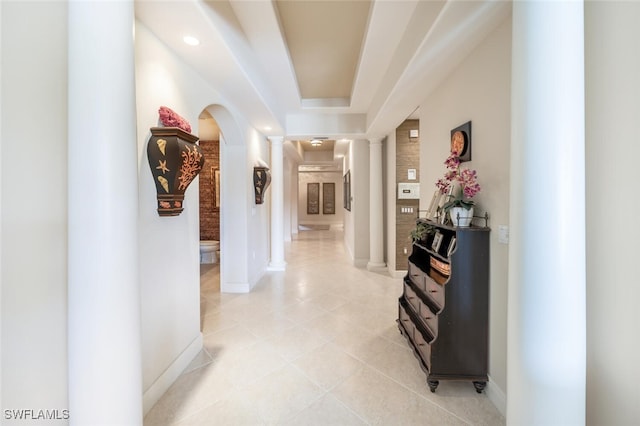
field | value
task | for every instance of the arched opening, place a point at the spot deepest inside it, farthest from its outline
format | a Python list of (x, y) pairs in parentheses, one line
[(210, 200), (232, 201)]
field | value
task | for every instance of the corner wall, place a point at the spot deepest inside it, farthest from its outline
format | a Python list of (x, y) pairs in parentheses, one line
[(478, 90), (360, 202)]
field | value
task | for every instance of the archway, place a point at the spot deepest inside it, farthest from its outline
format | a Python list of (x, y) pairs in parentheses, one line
[(233, 208), (209, 205)]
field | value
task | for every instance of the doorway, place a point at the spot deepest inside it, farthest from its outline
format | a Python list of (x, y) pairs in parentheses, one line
[(210, 198)]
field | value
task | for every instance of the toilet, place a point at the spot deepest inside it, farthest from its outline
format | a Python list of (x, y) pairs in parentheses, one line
[(209, 250)]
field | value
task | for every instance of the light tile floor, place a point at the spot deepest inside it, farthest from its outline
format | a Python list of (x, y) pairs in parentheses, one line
[(315, 345)]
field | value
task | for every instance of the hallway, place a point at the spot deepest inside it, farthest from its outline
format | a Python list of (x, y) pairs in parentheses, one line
[(315, 345)]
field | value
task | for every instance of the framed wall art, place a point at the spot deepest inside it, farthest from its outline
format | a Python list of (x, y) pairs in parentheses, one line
[(313, 198), (328, 198)]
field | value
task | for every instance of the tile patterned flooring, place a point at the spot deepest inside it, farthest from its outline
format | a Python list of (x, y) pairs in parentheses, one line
[(315, 345)]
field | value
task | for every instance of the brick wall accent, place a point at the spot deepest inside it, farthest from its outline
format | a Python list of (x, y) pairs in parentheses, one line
[(407, 157), (209, 214)]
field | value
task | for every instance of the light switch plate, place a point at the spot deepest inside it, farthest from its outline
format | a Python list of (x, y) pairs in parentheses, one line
[(503, 234)]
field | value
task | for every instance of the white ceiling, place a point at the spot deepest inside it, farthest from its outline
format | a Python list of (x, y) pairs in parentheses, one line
[(333, 68)]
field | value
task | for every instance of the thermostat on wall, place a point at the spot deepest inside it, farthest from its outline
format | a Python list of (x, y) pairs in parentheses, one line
[(408, 191)]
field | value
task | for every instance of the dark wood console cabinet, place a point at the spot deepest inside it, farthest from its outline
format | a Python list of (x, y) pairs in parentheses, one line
[(444, 308)]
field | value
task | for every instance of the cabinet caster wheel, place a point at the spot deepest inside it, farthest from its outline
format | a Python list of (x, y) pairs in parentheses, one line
[(433, 384), (479, 386)]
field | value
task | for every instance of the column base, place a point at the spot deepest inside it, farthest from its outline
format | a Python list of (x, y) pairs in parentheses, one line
[(277, 266), (377, 267)]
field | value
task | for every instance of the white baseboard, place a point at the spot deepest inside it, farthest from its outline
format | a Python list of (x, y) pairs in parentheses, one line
[(277, 267), (166, 379), (377, 267), (497, 396), (360, 263), (398, 274), (235, 287)]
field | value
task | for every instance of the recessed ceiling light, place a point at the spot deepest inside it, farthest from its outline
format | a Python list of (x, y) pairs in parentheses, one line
[(191, 41), (267, 128), (316, 142)]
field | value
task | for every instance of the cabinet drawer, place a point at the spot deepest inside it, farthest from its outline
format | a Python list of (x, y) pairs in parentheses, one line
[(411, 297), (429, 318), (406, 322), (435, 292), (417, 276), (424, 349)]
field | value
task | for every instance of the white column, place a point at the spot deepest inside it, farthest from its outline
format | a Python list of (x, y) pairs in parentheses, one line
[(277, 205), (286, 225), (546, 353), (376, 252), (105, 378)]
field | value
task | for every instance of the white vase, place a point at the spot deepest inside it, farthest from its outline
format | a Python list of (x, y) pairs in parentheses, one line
[(461, 216)]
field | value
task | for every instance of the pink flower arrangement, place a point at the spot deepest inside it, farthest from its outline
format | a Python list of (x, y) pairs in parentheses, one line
[(169, 118), (466, 179)]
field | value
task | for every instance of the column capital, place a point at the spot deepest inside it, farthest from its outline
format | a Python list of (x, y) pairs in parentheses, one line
[(377, 140)]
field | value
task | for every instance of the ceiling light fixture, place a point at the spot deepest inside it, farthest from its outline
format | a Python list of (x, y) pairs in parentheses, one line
[(191, 41), (316, 142)]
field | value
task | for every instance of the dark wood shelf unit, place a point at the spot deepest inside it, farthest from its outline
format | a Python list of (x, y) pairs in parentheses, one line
[(445, 316)]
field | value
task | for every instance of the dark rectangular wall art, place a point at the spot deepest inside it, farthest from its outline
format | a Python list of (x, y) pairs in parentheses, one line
[(328, 198), (313, 198), (346, 191)]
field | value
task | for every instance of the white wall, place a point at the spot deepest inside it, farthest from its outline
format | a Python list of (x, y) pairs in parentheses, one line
[(34, 206), (612, 152), (287, 169), (389, 156), (360, 202), (320, 219), (258, 223), (169, 246), (347, 165), (478, 90), (294, 202)]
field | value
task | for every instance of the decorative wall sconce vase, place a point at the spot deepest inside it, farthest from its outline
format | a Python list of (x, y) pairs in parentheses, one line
[(175, 160), (261, 181)]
